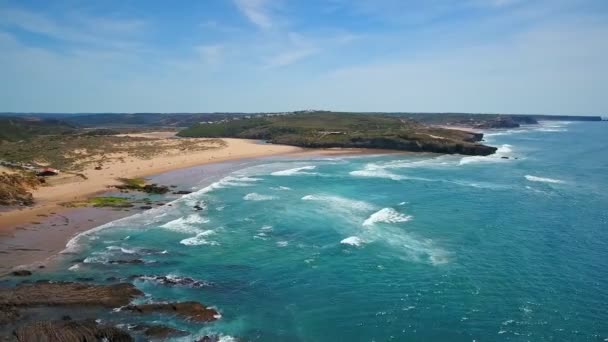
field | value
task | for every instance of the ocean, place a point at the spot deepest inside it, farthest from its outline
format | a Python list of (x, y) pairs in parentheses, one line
[(393, 247)]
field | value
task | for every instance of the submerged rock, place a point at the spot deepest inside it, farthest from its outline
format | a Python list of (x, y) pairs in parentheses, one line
[(21, 273), (182, 192), (191, 310), (175, 281), (70, 331), (160, 331)]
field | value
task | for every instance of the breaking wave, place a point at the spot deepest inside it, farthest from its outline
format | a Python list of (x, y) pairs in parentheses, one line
[(543, 180), (295, 171), (502, 154), (386, 215), (188, 224), (340, 203), (200, 239), (352, 240), (257, 197)]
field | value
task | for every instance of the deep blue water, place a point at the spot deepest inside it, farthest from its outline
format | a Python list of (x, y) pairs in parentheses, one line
[(393, 247)]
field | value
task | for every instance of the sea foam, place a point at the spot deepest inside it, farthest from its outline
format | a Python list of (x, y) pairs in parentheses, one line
[(543, 180), (200, 239), (352, 240), (295, 171), (258, 197), (386, 215)]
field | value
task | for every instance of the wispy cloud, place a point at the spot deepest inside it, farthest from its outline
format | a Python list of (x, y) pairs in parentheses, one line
[(210, 54), (80, 29), (257, 11), (291, 56)]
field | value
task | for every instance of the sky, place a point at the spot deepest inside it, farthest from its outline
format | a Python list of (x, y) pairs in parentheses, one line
[(479, 56)]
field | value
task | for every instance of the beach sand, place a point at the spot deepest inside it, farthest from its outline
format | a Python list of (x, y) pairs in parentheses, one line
[(33, 235)]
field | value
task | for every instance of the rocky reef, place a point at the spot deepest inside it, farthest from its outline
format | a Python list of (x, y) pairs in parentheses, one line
[(21, 307)]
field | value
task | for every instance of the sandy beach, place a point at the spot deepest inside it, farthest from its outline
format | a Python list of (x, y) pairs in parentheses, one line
[(49, 198), (32, 235)]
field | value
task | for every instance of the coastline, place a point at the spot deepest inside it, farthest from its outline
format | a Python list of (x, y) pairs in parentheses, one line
[(32, 237)]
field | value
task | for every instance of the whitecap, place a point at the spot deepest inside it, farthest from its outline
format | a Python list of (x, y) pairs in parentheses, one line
[(188, 224), (340, 203), (352, 240), (295, 171), (74, 267), (386, 215), (282, 243), (258, 197), (543, 180), (122, 249), (200, 239)]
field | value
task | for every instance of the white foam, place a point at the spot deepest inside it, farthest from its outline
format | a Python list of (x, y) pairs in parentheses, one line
[(341, 203), (386, 215), (281, 188), (352, 240), (74, 267), (543, 180), (282, 243), (257, 197), (200, 239), (122, 249), (295, 171), (189, 224)]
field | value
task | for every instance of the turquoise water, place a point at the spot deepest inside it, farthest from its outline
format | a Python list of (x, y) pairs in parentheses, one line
[(392, 247)]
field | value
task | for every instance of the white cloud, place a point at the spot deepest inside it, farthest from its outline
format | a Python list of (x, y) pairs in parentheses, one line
[(257, 12)]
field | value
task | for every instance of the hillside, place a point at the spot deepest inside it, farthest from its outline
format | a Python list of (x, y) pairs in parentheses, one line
[(328, 129), (15, 129)]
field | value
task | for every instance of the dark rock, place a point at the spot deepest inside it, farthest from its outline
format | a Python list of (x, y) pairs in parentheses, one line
[(21, 273), (208, 339), (8, 314), (68, 294), (160, 331), (504, 157), (192, 310), (41, 266), (122, 262), (155, 189), (145, 207), (177, 281), (84, 279), (70, 331), (182, 192), (111, 279), (197, 207)]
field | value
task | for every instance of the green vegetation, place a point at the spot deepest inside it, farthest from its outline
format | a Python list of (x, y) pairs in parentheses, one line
[(101, 202), (15, 129), (329, 129), (110, 201), (139, 184)]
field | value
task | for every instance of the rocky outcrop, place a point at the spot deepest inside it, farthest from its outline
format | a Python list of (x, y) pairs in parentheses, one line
[(68, 294), (503, 122), (15, 188), (190, 310), (21, 273), (70, 331)]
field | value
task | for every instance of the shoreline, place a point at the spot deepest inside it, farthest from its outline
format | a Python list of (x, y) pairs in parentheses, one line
[(35, 236)]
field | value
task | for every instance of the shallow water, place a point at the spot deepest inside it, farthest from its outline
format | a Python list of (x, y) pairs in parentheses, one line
[(378, 248)]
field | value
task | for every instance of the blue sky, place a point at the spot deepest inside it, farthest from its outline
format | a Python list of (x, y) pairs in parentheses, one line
[(496, 56)]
